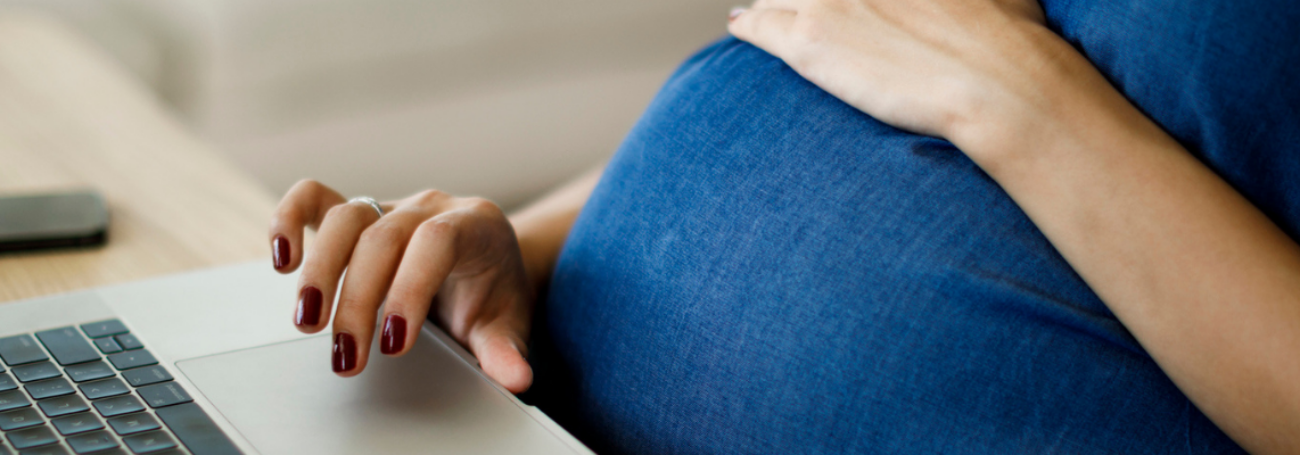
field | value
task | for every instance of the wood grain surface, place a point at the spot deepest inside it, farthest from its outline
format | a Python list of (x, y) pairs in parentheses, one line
[(71, 118)]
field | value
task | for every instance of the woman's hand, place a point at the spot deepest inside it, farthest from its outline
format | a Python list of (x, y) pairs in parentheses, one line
[(1204, 280), (930, 66), (456, 256)]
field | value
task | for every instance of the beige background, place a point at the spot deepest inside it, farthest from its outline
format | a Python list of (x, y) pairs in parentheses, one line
[(499, 98), (70, 116)]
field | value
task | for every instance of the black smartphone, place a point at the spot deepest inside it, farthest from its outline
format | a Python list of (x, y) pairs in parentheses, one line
[(62, 220)]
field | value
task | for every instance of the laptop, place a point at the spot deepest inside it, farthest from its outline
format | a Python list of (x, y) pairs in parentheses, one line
[(209, 363)]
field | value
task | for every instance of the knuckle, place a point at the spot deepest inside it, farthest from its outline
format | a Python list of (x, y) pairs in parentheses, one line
[(302, 193), (352, 313), (430, 196), (438, 228), (306, 183), (404, 294), (309, 187), (481, 205), (355, 310), (336, 212), (383, 232), (287, 214)]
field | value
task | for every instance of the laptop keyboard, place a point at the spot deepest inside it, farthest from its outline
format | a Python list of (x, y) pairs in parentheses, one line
[(96, 389)]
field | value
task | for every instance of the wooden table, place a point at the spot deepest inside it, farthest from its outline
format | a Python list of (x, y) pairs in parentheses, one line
[(71, 117)]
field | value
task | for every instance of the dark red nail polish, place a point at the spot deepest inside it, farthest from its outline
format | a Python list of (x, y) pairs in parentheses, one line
[(309, 303), (345, 352), (394, 338), (280, 252)]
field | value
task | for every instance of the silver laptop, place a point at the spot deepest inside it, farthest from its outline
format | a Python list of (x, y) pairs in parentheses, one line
[(210, 363)]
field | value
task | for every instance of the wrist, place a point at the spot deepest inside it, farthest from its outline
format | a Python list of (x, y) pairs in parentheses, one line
[(538, 259), (541, 236), (1060, 132), (1044, 95)]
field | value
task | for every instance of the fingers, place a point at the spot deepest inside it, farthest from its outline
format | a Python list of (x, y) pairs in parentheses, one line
[(426, 242), (374, 262), (330, 254), (372, 266), (429, 259), (303, 206), (767, 28), (496, 329), (487, 312), (501, 351)]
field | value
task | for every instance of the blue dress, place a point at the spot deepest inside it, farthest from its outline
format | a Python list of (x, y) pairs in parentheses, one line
[(764, 269)]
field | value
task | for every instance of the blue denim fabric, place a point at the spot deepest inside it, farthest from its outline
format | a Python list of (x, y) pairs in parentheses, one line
[(764, 269)]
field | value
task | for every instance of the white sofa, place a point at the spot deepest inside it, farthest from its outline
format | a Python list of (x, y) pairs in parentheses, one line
[(501, 98)]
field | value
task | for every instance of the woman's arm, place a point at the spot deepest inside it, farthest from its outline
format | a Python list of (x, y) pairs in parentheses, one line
[(543, 226), (1207, 284)]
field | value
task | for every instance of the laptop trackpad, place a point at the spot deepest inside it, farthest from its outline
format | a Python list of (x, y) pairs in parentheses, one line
[(284, 400)]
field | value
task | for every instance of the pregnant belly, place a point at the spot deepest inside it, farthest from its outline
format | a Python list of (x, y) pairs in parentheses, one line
[(764, 269)]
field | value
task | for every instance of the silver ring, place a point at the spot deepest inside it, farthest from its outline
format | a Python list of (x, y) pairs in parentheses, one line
[(369, 200)]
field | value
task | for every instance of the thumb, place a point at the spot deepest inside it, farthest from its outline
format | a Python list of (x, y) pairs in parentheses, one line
[(501, 353)]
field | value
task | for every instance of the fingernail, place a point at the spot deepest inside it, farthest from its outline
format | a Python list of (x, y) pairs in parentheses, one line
[(309, 303), (736, 11), (394, 338), (345, 352), (280, 252)]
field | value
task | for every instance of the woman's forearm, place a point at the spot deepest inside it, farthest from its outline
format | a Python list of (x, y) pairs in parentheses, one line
[(1204, 280), (543, 226)]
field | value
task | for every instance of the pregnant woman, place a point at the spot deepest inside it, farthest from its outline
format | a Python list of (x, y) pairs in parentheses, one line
[(883, 226)]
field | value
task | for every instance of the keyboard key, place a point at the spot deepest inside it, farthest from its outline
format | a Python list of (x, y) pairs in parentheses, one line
[(62, 406), (36, 372), (163, 395), (153, 441), (7, 383), (47, 389), (141, 377), (13, 400), (89, 371), (196, 430), (32, 437), (117, 406), (134, 423), (129, 341), (77, 423), (132, 359), (92, 442), (21, 349), (68, 346), (108, 345), (48, 450), (104, 328), (22, 418), (5, 450), (104, 389)]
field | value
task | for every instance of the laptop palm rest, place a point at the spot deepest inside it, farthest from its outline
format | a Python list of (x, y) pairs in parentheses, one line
[(284, 399)]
